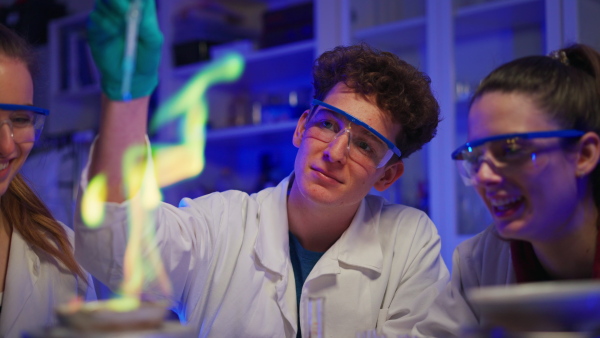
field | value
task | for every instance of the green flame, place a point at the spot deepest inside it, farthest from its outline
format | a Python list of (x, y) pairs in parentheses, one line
[(172, 162)]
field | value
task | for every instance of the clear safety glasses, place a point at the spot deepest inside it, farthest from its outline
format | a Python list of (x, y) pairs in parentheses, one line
[(505, 153), (365, 145), (25, 122)]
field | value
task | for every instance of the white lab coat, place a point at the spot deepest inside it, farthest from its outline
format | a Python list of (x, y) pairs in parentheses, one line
[(482, 260), (228, 258), (33, 288)]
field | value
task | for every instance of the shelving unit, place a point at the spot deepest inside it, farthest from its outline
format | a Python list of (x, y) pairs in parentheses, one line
[(74, 80), (271, 75), (276, 59), (385, 36), (251, 135), (455, 42), (496, 16)]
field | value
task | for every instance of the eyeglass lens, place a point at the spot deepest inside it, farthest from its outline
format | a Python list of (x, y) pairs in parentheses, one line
[(25, 125), (363, 146), (505, 154)]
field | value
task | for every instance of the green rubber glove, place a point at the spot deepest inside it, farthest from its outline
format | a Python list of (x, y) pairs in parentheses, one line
[(106, 33)]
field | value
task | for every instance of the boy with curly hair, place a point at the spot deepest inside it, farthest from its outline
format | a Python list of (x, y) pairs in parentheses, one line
[(248, 264)]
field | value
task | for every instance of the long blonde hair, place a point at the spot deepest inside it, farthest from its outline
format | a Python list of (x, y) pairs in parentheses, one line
[(23, 210)]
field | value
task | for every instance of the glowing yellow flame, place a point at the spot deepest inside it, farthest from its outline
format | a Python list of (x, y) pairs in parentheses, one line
[(122, 304), (92, 202), (142, 261), (118, 304), (174, 162)]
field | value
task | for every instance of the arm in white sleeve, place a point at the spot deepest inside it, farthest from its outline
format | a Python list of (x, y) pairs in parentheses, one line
[(421, 281), (451, 311)]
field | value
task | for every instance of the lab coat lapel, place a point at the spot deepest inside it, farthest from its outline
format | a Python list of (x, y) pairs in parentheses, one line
[(21, 276), (359, 245), (272, 246), (272, 237)]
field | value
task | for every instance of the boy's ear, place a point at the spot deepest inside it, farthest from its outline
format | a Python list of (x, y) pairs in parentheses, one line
[(391, 173), (588, 154), (297, 138)]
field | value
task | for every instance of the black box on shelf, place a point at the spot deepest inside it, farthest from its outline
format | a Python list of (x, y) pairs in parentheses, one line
[(290, 24), (289, 16), (30, 18), (198, 26), (287, 35), (189, 52)]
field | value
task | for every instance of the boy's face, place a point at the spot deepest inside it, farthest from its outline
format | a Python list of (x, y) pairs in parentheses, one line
[(325, 173)]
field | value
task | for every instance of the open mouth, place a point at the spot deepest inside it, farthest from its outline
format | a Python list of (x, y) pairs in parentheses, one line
[(505, 207)]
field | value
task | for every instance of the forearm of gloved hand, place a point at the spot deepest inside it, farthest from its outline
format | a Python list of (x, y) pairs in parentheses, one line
[(122, 128), (122, 123)]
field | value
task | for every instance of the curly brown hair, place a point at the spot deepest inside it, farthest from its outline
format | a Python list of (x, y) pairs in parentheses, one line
[(399, 89)]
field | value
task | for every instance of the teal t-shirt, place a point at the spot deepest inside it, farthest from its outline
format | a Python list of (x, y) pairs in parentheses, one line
[(303, 261)]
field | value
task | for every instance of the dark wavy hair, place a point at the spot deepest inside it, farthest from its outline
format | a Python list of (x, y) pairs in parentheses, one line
[(399, 89), (565, 85)]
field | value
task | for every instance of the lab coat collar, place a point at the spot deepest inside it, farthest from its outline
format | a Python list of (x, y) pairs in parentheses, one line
[(359, 245), (272, 238), (21, 276)]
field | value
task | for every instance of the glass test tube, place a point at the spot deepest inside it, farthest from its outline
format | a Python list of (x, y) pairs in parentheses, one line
[(314, 316)]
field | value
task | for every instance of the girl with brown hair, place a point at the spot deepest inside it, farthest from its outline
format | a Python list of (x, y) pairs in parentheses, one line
[(37, 268), (532, 155)]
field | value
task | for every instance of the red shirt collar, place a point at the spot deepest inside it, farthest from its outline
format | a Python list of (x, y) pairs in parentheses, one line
[(529, 269)]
